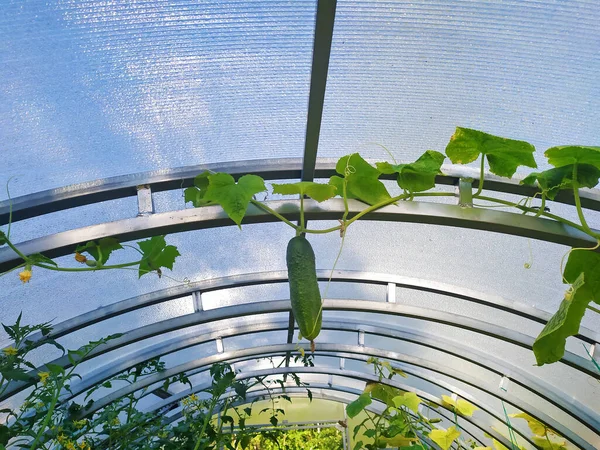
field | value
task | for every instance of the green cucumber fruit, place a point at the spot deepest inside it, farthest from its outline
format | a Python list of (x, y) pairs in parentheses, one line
[(304, 289)]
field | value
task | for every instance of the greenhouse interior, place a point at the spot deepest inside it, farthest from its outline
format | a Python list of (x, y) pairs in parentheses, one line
[(301, 224)]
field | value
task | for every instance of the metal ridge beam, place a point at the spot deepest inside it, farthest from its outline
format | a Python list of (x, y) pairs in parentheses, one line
[(64, 243), (346, 276), (53, 200), (318, 81)]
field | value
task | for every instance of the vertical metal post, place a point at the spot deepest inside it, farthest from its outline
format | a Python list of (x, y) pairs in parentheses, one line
[(361, 338), (144, 198), (346, 434), (219, 342), (342, 363), (390, 295), (595, 352), (197, 298), (465, 193)]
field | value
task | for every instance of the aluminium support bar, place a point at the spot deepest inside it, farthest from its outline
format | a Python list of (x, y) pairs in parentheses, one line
[(64, 243)]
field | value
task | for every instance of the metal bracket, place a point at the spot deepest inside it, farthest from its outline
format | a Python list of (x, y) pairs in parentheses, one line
[(219, 342), (361, 338), (145, 203), (197, 298), (504, 383), (342, 363), (390, 295), (595, 351)]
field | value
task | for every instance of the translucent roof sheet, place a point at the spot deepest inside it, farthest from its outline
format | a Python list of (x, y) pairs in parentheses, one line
[(91, 89), (404, 74)]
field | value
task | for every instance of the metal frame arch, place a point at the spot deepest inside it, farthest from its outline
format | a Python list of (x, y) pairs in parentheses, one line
[(349, 352), (53, 200), (258, 308), (64, 243), (342, 276), (411, 336)]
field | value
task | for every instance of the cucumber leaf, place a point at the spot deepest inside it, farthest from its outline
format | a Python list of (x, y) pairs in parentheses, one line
[(156, 254), (553, 180), (549, 346), (233, 197), (354, 408), (549, 443), (100, 250), (418, 176), (461, 406), (316, 191), (503, 155), (195, 194), (383, 392), (587, 263), (535, 425), (573, 154), (362, 180), (409, 399), (444, 438)]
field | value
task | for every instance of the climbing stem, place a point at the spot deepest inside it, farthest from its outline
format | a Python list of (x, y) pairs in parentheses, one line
[(584, 224), (271, 211), (481, 176)]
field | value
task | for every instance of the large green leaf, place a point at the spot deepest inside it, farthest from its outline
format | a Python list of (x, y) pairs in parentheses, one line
[(553, 180), (503, 155), (362, 180), (317, 191), (156, 254), (354, 408), (233, 197), (535, 425), (444, 438), (461, 406), (418, 176), (573, 154), (549, 346)]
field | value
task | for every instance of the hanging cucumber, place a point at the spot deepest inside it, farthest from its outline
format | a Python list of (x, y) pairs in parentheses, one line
[(304, 289)]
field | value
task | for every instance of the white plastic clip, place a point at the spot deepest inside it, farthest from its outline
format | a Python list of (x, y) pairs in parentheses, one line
[(361, 338), (219, 342)]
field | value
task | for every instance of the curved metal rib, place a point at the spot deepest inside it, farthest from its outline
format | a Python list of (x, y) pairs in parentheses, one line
[(252, 279), (64, 243), (112, 188)]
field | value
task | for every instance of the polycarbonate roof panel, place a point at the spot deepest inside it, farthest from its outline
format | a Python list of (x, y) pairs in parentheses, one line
[(91, 89), (404, 74)]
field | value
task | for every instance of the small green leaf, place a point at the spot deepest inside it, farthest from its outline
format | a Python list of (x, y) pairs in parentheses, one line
[(358, 405), (397, 441), (4, 435), (549, 443), (444, 438), (418, 176), (553, 180), (156, 254), (573, 154), (503, 155), (195, 194), (409, 399), (362, 180), (587, 263), (233, 198), (317, 191), (38, 257), (383, 392), (16, 374)]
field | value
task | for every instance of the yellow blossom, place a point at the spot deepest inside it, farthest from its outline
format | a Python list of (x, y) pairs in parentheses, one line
[(84, 445), (25, 276), (70, 446), (44, 377), (10, 351), (189, 400), (116, 421), (39, 405), (61, 438), (80, 258)]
